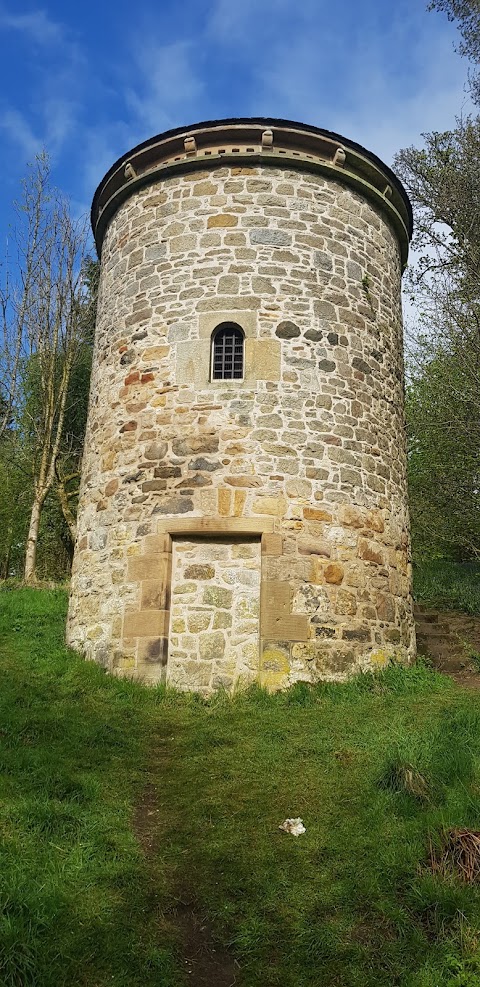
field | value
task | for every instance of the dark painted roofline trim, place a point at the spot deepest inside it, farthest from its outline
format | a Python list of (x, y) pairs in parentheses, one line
[(267, 122)]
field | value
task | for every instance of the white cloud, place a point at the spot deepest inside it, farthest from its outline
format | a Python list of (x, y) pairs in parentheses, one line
[(53, 102), (169, 90), (54, 122), (59, 116), (102, 146), (362, 96), (37, 26), (386, 118), (17, 128), (231, 22)]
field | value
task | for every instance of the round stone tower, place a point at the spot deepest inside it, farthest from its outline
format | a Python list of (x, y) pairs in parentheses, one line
[(243, 510)]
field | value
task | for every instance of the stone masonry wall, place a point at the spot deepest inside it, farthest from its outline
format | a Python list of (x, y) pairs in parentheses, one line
[(214, 615), (305, 454)]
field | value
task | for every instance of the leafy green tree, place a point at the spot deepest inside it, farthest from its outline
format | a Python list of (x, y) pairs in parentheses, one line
[(15, 502), (444, 459), (466, 14), (443, 411)]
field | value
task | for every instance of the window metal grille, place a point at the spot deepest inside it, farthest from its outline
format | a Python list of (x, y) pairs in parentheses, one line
[(227, 353)]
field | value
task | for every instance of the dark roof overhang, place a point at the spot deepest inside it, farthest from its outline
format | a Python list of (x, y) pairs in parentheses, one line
[(256, 141)]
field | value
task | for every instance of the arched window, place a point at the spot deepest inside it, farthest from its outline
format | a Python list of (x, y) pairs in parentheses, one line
[(227, 352)]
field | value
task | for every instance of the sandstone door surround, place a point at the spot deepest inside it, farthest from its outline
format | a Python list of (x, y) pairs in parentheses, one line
[(149, 626)]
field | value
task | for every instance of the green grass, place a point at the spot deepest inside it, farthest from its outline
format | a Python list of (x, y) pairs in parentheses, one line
[(448, 585), (351, 903)]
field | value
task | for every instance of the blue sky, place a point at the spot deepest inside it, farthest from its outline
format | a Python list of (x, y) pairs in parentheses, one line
[(90, 80)]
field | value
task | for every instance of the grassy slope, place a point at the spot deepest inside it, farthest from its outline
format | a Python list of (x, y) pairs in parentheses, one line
[(349, 904), (448, 585)]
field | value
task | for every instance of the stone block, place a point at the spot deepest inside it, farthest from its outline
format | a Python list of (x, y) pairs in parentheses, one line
[(346, 603), (262, 359), (184, 589), (178, 626), (370, 551), (216, 596), (375, 521), (156, 253), (222, 620), (313, 546), (167, 472), (316, 514), (192, 364), (287, 330), (150, 566), (216, 525), (154, 593), (199, 620), (158, 544), (208, 321), (222, 220), (98, 539), (272, 545), (363, 634), (294, 627), (182, 244), (145, 623), (275, 506), (224, 502), (239, 500), (205, 187), (299, 488), (212, 646), (270, 237), (351, 516), (244, 481), (277, 621), (327, 366), (322, 260), (206, 441), (175, 505), (153, 650), (156, 450), (199, 571), (276, 595), (334, 573), (274, 665), (154, 486), (232, 304), (385, 608)]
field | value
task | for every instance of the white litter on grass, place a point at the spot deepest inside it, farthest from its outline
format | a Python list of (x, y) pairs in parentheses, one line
[(293, 826)]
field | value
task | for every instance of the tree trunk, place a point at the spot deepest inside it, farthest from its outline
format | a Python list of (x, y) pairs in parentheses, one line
[(66, 509), (8, 553), (6, 561), (30, 575)]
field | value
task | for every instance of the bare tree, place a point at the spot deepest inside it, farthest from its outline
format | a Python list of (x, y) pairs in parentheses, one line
[(68, 463), (16, 288), (45, 302)]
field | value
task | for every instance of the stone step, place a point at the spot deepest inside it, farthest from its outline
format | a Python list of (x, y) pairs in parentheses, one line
[(446, 661), (440, 638), (435, 634), (445, 657), (427, 618), (449, 668), (448, 638)]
